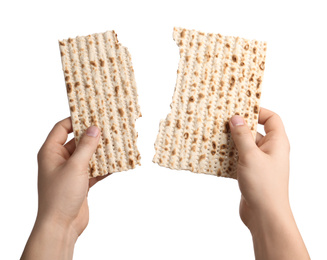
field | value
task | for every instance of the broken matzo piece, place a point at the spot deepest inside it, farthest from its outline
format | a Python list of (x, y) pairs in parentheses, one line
[(101, 91), (217, 77)]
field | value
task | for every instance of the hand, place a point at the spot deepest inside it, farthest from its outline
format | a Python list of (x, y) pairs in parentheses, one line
[(63, 186), (63, 181), (263, 166), (263, 176)]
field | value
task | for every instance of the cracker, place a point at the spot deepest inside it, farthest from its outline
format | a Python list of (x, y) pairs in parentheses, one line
[(102, 91), (217, 77)]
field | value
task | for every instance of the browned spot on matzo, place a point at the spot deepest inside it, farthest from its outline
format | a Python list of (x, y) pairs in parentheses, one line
[(95, 98), (218, 77)]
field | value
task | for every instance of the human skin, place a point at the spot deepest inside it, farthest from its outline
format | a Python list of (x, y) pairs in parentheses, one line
[(63, 186), (263, 173), (263, 177)]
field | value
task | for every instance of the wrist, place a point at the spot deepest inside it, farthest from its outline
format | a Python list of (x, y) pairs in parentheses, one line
[(50, 240), (60, 231), (276, 236), (271, 219)]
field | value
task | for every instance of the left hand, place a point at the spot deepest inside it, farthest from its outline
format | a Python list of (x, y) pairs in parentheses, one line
[(63, 181)]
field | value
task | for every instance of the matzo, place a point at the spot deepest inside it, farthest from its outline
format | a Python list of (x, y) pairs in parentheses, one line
[(217, 77), (101, 91)]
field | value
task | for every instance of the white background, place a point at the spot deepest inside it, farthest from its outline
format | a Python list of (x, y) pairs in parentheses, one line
[(153, 212)]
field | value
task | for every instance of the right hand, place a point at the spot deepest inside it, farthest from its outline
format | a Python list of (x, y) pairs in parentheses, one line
[(263, 167)]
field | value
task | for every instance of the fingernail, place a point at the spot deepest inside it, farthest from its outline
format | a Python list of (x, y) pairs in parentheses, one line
[(92, 131), (237, 121)]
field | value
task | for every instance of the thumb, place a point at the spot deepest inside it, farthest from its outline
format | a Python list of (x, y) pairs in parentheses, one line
[(86, 146), (241, 134)]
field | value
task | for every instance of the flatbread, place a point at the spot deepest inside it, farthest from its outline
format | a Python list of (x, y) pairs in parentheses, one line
[(217, 77), (101, 91)]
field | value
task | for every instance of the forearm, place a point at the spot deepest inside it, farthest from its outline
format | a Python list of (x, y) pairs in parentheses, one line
[(49, 241), (276, 236)]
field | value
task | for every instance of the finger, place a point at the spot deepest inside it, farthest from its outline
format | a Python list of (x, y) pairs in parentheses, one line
[(60, 131), (242, 135), (258, 137), (271, 121), (86, 146), (70, 146), (93, 181)]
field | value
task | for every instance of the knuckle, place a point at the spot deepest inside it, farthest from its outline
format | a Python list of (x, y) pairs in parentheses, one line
[(283, 141), (242, 132), (56, 125), (74, 163), (248, 159), (249, 155), (46, 151), (39, 155), (88, 142), (42, 151), (277, 117)]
